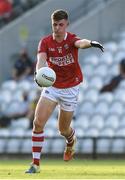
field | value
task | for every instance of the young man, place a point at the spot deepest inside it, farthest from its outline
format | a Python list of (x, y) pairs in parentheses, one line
[(60, 52)]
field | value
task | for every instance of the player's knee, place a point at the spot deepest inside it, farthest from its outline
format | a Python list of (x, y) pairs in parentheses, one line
[(63, 132), (37, 125)]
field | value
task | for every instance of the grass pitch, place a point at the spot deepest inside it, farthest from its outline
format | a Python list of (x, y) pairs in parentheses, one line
[(57, 169)]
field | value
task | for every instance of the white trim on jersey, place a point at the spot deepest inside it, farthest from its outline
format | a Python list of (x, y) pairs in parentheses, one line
[(65, 37)]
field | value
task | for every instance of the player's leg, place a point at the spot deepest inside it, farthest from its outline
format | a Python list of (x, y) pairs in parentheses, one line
[(43, 111), (68, 104), (65, 118)]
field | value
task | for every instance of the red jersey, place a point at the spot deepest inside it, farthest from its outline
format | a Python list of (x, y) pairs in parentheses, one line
[(63, 59)]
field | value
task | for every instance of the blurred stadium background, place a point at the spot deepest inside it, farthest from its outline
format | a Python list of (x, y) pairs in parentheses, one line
[(100, 118)]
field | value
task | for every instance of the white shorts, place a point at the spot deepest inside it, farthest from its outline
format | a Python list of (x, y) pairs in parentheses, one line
[(66, 98)]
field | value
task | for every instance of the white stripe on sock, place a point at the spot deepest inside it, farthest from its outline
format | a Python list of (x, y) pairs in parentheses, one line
[(37, 135), (37, 144), (36, 155)]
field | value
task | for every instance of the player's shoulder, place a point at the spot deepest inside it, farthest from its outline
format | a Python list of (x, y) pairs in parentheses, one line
[(72, 35), (46, 38)]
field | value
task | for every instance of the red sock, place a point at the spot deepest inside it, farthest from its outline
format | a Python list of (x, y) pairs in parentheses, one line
[(37, 144), (69, 139)]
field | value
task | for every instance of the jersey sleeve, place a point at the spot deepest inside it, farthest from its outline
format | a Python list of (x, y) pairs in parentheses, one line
[(42, 47), (75, 38)]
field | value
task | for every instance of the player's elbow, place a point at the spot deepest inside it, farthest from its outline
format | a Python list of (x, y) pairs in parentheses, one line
[(83, 43)]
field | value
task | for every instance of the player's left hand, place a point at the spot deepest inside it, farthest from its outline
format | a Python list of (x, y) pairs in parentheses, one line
[(97, 45), (36, 79)]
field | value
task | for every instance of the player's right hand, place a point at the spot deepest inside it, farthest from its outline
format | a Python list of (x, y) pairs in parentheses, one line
[(36, 79), (97, 45)]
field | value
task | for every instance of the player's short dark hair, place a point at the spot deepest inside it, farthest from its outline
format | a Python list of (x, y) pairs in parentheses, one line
[(59, 14)]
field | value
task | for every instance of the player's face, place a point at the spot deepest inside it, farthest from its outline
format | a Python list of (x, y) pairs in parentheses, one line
[(59, 27)]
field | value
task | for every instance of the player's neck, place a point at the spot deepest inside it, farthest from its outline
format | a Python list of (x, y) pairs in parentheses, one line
[(59, 38)]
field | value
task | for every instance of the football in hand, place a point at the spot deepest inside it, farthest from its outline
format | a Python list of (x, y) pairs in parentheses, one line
[(45, 77)]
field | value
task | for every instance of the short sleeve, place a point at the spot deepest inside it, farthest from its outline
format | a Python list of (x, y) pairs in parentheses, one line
[(75, 38), (42, 47)]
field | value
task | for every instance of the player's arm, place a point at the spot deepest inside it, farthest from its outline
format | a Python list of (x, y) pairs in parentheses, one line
[(85, 43), (41, 60)]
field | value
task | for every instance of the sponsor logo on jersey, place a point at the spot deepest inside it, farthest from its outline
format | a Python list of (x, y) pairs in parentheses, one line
[(62, 61), (51, 49), (59, 49), (66, 46)]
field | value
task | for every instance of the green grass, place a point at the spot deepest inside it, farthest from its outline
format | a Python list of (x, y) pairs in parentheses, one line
[(57, 169)]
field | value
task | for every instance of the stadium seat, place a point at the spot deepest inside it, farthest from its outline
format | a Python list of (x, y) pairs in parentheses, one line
[(97, 121), (111, 47), (79, 143), (5, 96), (113, 70), (26, 146), (120, 132), (119, 55), (14, 107), (28, 133), (107, 132), (102, 108), (116, 108), (112, 121), (82, 121), (52, 123), (57, 146), (14, 145), (87, 146), (32, 94), (23, 123), (118, 146), (104, 145), (96, 82), (17, 132), (84, 86), (9, 84), (47, 145), (92, 59), (122, 85), (4, 132), (101, 70), (4, 136), (81, 96), (79, 131), (119, 95), (92, 132), (88, 70), (91, 94), (51, 132), (3, 143), (24, 85), (108, 97), (18, 95), (87, 107), (122, 121)]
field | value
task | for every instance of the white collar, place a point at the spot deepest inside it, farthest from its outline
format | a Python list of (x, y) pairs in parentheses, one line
[(64, 36)]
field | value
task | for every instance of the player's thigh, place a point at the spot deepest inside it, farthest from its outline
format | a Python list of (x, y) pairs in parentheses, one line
[(44, 109), (64, 120)]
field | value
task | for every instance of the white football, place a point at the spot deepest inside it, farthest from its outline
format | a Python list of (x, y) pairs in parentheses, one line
[(45, 77)]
